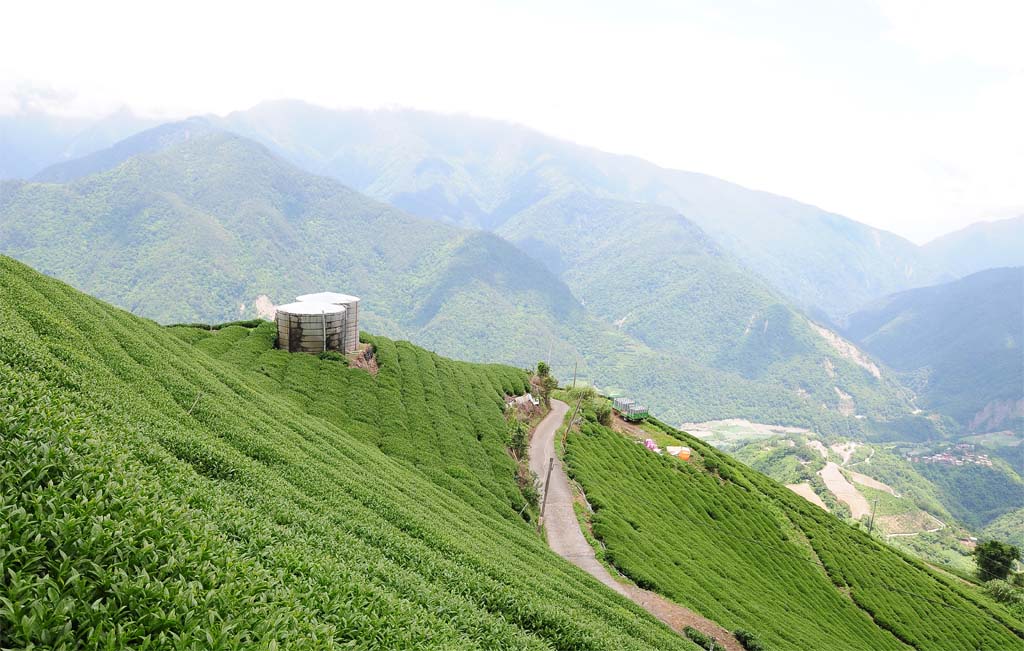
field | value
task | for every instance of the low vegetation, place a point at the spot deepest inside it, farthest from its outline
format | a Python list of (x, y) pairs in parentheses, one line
[(748, 553), (185, 489)]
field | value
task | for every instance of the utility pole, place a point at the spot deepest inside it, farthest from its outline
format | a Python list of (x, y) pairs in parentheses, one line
[(568, 427), (871, 523), (574, 367), (544, 502)]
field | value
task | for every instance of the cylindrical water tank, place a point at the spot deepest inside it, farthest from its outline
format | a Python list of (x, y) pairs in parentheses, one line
[(310, 327), (351, 304)]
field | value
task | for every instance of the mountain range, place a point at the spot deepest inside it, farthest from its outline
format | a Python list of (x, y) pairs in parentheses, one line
[(960, 345), (707, 299), (305, 501), (189, 222)]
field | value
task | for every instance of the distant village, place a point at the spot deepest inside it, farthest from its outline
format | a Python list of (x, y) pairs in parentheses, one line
[(961, 454)]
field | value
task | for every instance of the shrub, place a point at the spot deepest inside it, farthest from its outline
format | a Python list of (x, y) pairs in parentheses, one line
[(703, 641), (749, 641)]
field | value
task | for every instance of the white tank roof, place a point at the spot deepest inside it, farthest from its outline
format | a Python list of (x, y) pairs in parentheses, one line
[(328, 297), (311, 307)]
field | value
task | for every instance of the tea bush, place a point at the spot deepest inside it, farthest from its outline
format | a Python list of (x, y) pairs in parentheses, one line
[(184, 489), (738, 548)]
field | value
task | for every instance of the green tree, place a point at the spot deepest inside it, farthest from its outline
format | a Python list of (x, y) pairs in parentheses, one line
[(518, 438), (548, 383), (543, 370), (995, 559)]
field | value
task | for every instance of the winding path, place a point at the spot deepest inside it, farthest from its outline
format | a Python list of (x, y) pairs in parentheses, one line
[(565, 538)]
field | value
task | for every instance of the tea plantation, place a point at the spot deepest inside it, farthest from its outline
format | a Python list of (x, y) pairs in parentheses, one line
[(728, 542), (181, 489)]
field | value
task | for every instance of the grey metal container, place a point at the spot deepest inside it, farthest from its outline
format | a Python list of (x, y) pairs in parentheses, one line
[(351, 305), (311, 327)]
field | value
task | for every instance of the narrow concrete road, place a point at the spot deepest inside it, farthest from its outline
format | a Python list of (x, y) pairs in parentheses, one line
[(565, 538)]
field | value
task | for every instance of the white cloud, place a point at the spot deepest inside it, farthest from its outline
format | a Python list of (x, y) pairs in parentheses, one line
[(902, 114), (985, 32)]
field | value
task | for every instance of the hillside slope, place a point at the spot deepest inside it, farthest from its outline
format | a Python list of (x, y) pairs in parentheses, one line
[(188, 223), (985, 245), (206, 223), (181, 489), (476, 172), (962, 343), (727, 542), (659, 278)]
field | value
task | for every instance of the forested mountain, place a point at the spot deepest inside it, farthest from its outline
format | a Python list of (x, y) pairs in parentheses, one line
[(201, 228), (980, 246), (661, 279), (32, 140), (705, 340), (959, 343), (481, 173)]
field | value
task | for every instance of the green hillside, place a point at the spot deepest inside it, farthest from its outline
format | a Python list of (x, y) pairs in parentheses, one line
[(186, 223), (1008, 527), (977, 495), (661, 279), (728, 542), (172, 488), (960, 345), (481, 173)]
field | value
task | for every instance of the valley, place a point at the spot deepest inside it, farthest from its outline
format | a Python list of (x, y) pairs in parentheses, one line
[(505, 326), (860, 417)]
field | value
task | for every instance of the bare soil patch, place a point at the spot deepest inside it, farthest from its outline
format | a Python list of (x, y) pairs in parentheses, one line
[(844, 490), (805, 491)]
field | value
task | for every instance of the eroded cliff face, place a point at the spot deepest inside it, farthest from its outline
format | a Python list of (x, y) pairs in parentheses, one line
[(997, 414)]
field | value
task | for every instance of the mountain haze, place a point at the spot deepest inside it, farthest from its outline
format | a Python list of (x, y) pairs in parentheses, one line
[(961, 343), (32, 140), (480, 173), (980, 246)]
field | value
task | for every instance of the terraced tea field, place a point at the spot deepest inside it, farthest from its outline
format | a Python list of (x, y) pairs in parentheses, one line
[(729, 543), (189, 490)]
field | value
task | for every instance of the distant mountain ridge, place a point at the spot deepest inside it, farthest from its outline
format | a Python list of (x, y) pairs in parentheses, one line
[(480, 173), (962, 342), (31, 141), (256, 225), (980, 246)]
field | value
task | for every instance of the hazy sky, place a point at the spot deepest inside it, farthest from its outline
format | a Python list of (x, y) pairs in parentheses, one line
[(903, 114)]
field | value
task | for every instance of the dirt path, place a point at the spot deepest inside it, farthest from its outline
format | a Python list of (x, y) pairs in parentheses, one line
[(566, 539), (819, 446)]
